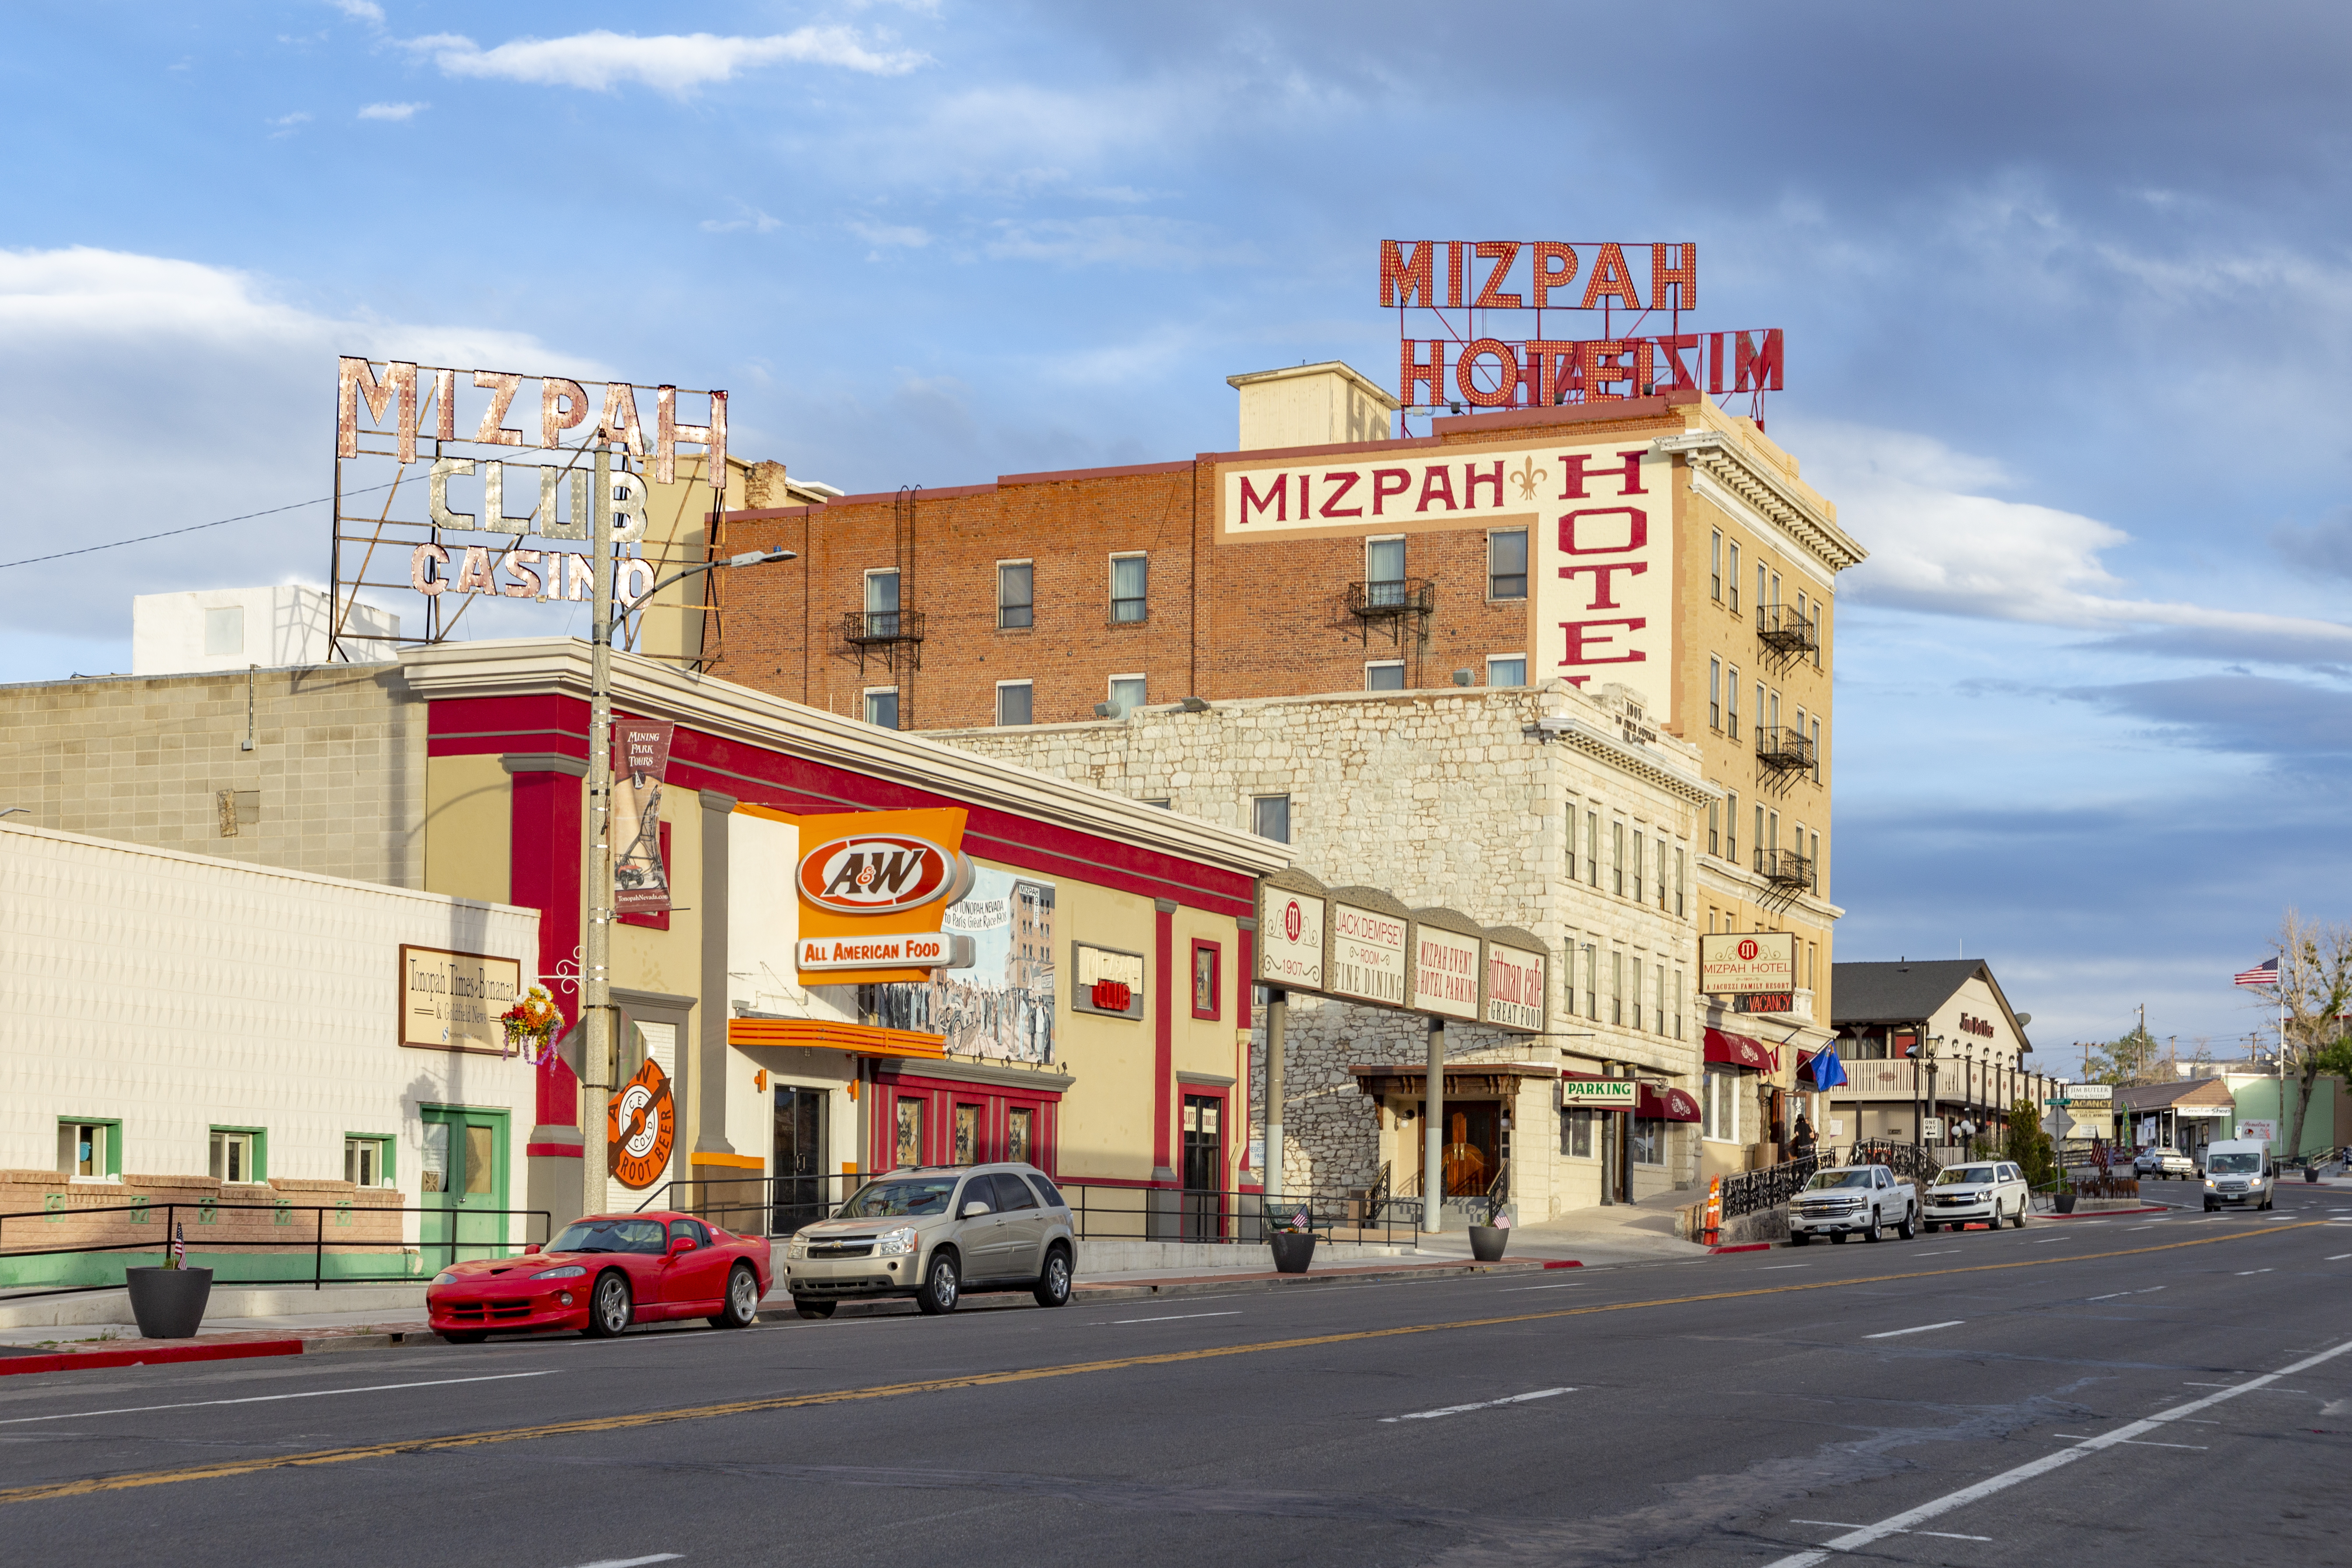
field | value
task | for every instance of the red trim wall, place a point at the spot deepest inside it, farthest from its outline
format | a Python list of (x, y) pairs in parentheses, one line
[(940, 1097), (1217, 978), (1163, 1043), (543, 874), (1245, 963), (757, 775)]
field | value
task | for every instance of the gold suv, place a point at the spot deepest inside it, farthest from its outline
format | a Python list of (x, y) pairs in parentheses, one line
[(934, 1232)]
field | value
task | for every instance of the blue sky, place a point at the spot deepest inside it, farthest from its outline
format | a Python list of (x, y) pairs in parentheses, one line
[(2064, 288)]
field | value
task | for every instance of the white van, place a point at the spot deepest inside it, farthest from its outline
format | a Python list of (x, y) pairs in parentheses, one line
[(2237, 1172)]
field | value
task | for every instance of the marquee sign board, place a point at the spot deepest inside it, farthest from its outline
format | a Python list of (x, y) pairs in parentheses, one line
[(1289, 939), (1514, 986), (1368, 954), (466, 487), (452, 1001), (1445, 971), (1735, 963)]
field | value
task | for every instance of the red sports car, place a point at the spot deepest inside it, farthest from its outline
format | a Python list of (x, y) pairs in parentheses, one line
[(603, 1273)]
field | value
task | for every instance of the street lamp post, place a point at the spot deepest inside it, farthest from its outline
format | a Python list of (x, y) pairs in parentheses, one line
[(1931, 1043), (597, 1060)]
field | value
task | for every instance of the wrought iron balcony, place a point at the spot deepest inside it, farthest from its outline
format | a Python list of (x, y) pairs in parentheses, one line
[(1785, 868), (1393, 598), (1784, 748), (866, 629), (1782, 629)]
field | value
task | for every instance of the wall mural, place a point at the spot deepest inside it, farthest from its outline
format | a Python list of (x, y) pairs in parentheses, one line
[(1002, 1006)]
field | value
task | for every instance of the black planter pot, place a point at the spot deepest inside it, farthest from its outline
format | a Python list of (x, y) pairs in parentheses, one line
[(2065, 1202), (168, 1303), (1293, 1250), (2311, 1173), (1486, 1242)]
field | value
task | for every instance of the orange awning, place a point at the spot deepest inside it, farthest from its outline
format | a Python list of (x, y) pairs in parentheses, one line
[(824, 1035)]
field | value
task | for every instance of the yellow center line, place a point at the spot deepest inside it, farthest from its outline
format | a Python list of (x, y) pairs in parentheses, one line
[(227, 1467)]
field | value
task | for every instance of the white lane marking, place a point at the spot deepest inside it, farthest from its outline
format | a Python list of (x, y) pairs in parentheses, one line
[(1769, 1267), (2233, 1385), (2043, 1465), (1897, 1334), (2243, 1272), (2135, 1442), (2337, 1258), (2109, 1297), (2046, 1241), (1943, 1534), (268, 1398), (1481, 1404), (1173, 1317), (1517, 1288), (635, 1561), (1945, 1252)]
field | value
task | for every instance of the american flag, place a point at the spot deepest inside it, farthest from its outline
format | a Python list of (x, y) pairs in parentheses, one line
[(179, 1247), (2262, 973)]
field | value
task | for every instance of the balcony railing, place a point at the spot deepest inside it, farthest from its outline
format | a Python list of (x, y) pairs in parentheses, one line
[(1387, 597), (864, 628), (1785, 868), (1781, 629), (1784, 748)]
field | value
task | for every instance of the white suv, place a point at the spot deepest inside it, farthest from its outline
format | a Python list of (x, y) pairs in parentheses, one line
[(1853, 1200), (1984, 1194)]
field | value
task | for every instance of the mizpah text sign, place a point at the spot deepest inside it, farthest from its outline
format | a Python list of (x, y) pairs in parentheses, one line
[(1616, 327)]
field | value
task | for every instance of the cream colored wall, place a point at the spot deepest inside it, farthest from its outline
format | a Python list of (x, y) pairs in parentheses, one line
[(670, 960), (1312, 408), (469, 827), (1208, 1047), (677, 536), (1107, 1111)]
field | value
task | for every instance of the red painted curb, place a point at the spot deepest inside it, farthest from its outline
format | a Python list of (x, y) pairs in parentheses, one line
[(1745, 1246), (1564, 1263), (2102, 1214), (69, 1361)]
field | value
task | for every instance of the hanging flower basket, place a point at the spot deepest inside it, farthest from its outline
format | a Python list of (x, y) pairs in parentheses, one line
[(531, 1025)]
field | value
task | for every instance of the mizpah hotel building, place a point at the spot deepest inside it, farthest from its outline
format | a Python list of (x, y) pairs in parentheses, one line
[(1651, 565)]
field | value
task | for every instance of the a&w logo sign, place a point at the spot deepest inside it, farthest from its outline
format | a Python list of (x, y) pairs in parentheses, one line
[(875, 873)]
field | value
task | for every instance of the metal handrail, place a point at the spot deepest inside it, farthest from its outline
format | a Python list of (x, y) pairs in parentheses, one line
[(1393, 596), (1750, 1191), (860, 626), (1784, 746), (142, 1212)]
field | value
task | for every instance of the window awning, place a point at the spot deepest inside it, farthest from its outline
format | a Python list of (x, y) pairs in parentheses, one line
[(1656, 1103), (1739, 1051), (828, 1034)]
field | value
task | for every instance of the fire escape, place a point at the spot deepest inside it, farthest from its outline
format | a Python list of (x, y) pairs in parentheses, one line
[(1396, 604)]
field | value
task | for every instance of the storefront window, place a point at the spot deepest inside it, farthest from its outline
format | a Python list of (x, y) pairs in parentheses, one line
[(1576, 1134), (1018, 1143), (910, 1132), (1649, 1141), (967, 1134)]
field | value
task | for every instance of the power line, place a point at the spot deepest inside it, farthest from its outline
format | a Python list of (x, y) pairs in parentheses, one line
[(192, 528)]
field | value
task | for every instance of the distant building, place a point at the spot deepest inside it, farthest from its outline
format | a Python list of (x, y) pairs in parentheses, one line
[(232, 629), (1895, 1022)]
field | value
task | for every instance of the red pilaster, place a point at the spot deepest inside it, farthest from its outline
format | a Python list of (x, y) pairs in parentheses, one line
[(544, 873), (1163, 1027)]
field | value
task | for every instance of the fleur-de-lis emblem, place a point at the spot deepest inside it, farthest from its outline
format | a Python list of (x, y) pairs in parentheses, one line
[(1527, 477)]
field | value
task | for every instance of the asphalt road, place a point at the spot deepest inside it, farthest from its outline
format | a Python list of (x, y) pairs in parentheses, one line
[(2084, 1393)]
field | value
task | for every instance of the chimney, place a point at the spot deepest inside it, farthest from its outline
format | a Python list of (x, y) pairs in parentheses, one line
[(1321, 404)]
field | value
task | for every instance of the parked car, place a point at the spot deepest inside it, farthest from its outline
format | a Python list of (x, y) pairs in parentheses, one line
[(2238, 1172), (936, 1233), (603, 1273), (1853, 1200), (1986, 1194), (2163, 1163)]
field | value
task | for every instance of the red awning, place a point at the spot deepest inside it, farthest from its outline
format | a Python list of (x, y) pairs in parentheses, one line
[(1739, 1051), (1656, 1103)]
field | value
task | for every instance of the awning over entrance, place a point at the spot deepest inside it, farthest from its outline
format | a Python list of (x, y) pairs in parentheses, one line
[(1738, 1050), (1463, 1081), (1656, 1103), (826, 1035)]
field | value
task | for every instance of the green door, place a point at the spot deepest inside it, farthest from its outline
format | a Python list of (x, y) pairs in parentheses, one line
[(464, 1180)]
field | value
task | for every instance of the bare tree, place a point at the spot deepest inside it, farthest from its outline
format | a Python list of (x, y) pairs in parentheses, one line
[(2128, 1059), (2313, 990)]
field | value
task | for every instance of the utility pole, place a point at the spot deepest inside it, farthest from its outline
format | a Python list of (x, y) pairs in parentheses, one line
[(596, 848), (1432, 1135), (1278, 1019)]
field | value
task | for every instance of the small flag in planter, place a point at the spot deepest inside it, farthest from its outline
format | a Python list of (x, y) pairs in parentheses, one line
[(179, 1247)]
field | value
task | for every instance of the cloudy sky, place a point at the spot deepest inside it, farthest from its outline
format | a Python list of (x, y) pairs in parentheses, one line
[(2062, 286)]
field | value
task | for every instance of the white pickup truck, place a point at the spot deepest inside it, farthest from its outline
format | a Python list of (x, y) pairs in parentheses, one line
[(1853, 1200)]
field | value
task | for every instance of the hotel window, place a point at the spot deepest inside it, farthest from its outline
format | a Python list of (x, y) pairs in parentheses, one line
[(1016, 703), (1714, 566), (1731, 826), (1635, 965), (1131, 578), (1660, 971), (1270, 817), (1507, 565), (1715, 828), (1775, 600), (1572, 840), (882, 707), (1719, 1107), (1821, 629), (1734, 578), (1682, 881), (1617, 857), (1592, 983), (1662, 875), (1817, 751), (239, 1154), (1678, 1004), (1809, 966), (1507, 669), (1776, 710), (1800, 608), (1640, 856), (1815, 868), (1125, 694), (1576, 1134), (367, 1161), (1616, 986), (1647, 1140), (1760, 600), (1759, 840), (1760, 702), (1715, 694), (1731, 710), (1593, 848), (1384, 675), (882, 603), (89, 1151), (1384, 571), (1017, 594)]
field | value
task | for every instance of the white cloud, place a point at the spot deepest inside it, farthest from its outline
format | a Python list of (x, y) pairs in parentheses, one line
[(1938, 543), (900, 233), (752, 220), (392, 111), (285, 123), (1127, 241), (360, 10), (673, 63)]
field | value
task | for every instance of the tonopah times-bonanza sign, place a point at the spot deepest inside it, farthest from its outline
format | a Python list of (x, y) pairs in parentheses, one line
[(1598, 520)]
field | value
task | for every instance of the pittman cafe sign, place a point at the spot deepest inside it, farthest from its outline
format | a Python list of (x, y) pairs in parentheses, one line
[(1361, 946)]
